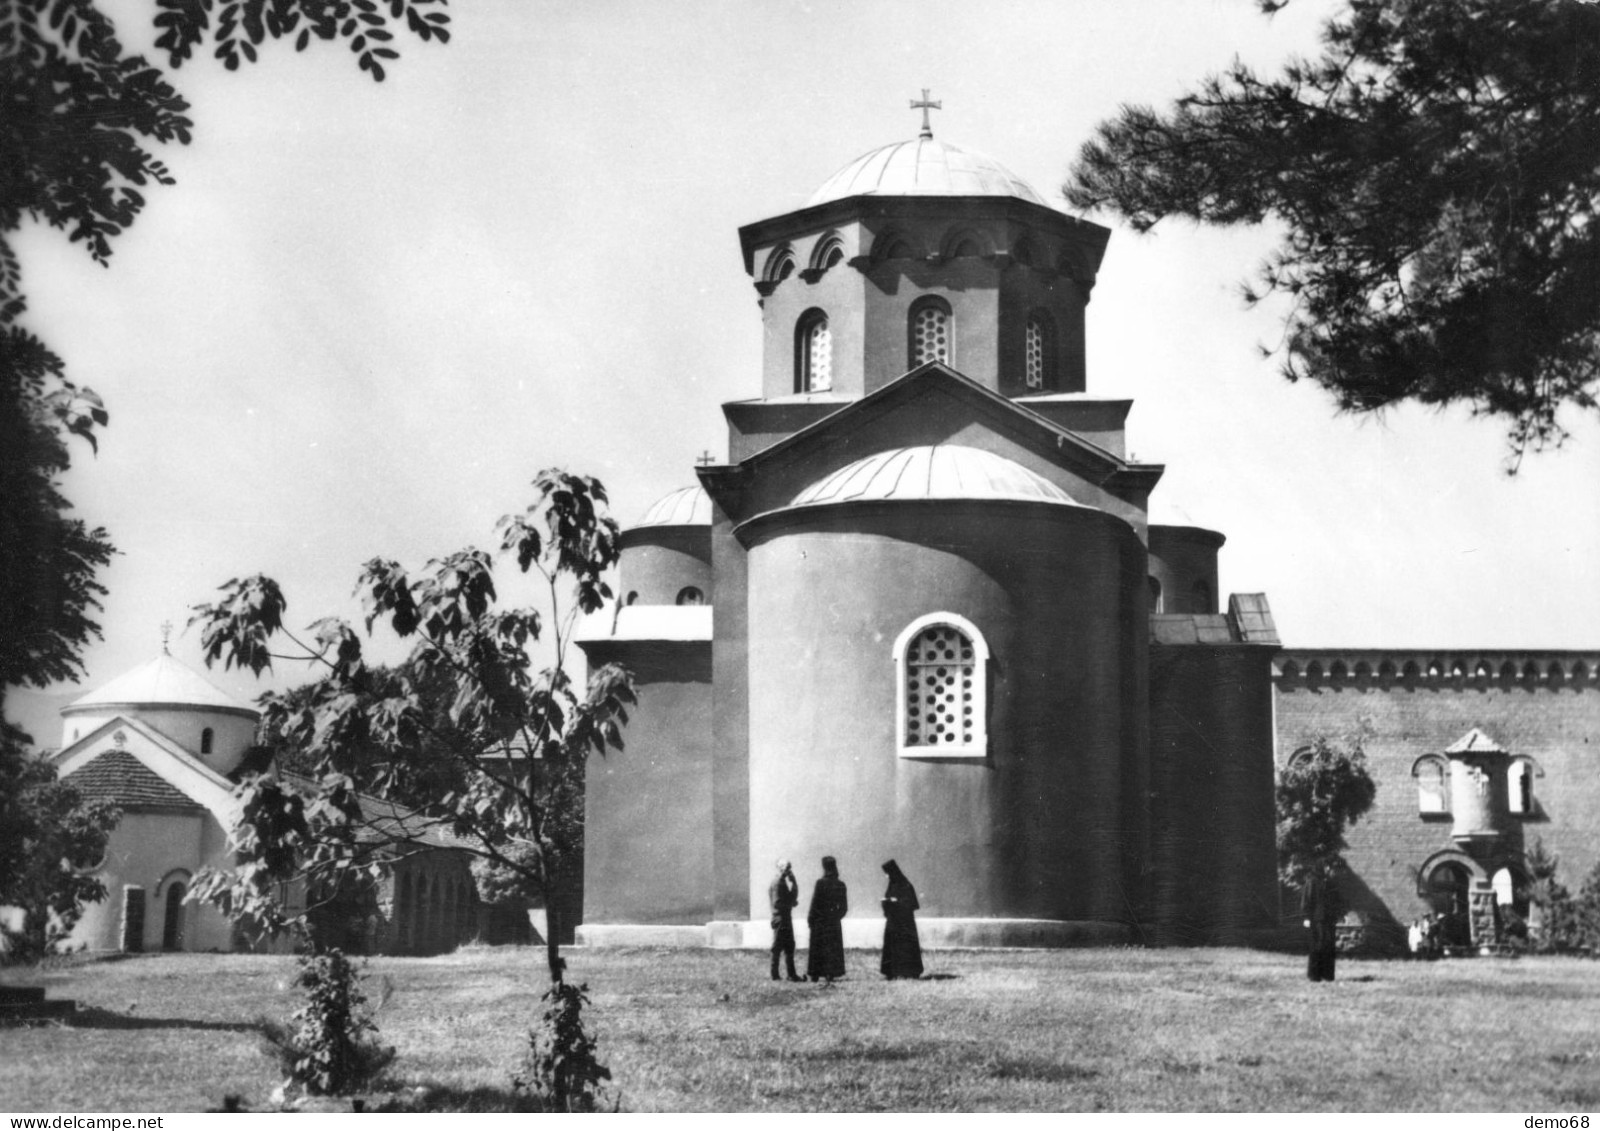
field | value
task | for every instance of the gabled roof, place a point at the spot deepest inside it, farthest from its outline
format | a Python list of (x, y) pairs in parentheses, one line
[(160, 756), (1072, 450), (162, 682), (118, 776), (1475, 742)]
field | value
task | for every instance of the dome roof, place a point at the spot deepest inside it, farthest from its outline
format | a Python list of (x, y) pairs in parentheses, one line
[(687, 506), (163, 682), (938, 471), (924, 167)]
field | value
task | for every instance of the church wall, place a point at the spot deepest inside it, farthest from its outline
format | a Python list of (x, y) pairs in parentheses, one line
[(1558, 727), (146, 849), (1034, 831), (1212, 837), (970, 286), (659, 561), (648, 807), (730, 788), (1024, 290), (837, 293), (1180, 556), (233, 734)]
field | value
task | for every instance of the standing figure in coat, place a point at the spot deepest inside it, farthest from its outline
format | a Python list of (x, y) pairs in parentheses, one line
[(1323, 910), (829, 904), (784, 896), (902, 950)]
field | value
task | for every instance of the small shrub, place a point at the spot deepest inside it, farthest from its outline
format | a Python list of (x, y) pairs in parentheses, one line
[(328, 1046), (561, 1071)]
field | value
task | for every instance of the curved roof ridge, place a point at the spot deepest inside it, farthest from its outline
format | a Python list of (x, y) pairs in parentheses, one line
[(924, 166), (164, 682), (686, 506), (932, 471)]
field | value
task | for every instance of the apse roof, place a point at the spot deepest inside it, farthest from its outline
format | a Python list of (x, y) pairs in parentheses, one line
[(687, 506), (935, 471), (164, 682), (924, 166)]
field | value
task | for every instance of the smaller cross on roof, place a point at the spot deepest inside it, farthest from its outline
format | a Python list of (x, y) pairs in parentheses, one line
[(166, 634), (924, 105), (704, 459)]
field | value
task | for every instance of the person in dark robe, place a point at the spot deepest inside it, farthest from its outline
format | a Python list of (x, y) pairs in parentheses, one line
[(1323, 909), (784, 895), (902, 950), (829, 905)]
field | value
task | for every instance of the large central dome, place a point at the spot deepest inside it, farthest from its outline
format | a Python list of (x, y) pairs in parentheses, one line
[(924, 167)]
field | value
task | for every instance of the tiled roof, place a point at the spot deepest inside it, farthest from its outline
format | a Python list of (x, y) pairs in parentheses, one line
[(118, 776)]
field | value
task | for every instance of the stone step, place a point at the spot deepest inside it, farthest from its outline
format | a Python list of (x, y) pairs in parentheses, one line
[(17, 995)]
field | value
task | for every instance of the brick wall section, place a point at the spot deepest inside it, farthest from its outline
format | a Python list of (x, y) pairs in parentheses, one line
[(1511, 697)]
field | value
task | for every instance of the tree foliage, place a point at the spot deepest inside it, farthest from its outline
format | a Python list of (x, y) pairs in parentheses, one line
[(465, 738), (1435, 171), (81, 117), (50, 838), (1319, 795)]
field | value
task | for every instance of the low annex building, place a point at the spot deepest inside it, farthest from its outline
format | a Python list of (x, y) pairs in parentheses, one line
[(168, 747)]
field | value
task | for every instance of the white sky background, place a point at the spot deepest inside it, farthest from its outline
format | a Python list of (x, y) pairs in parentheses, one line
[(368, 313)]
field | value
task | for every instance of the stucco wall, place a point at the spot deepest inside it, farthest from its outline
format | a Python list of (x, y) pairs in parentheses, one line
[(1560, 728), (152, 850), (659, 561), (1180, 556), (648, 807), (233, 734), (1032, 832), (1212, 806)]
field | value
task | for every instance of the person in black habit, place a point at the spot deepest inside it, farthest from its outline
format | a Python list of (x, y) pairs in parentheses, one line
[(784, 895), (829, 904), (1323, 909), (902, 950)]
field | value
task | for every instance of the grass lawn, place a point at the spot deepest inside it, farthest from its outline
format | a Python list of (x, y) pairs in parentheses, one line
[(696, 1030)]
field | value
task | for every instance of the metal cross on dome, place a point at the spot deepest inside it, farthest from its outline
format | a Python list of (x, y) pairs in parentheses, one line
[(925, 105), (166, 633)]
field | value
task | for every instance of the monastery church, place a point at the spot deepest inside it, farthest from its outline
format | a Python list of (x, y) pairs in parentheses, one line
[(922, 613)]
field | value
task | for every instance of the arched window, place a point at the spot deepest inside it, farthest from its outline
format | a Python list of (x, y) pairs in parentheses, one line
[(1039, 352), (207, 737), (1155, 593), (1519, 785), (691, 595), (780, 265), (942, 662), (1433, 786), (932, 332), (813, 353)]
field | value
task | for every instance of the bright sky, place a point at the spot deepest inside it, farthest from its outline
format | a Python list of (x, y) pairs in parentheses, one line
[(368, 314)]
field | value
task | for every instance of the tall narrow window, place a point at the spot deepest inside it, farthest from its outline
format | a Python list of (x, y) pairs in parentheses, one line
[(814, 354), (1036, 349), (1519, 793), (932, 332), (1155, 594), (942, 662), (207, 737)]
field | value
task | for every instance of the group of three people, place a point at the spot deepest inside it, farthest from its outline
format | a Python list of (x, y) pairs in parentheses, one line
[(902, 950)]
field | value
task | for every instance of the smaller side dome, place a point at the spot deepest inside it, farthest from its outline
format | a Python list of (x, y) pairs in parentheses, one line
[(935, 471), (687, 506)]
